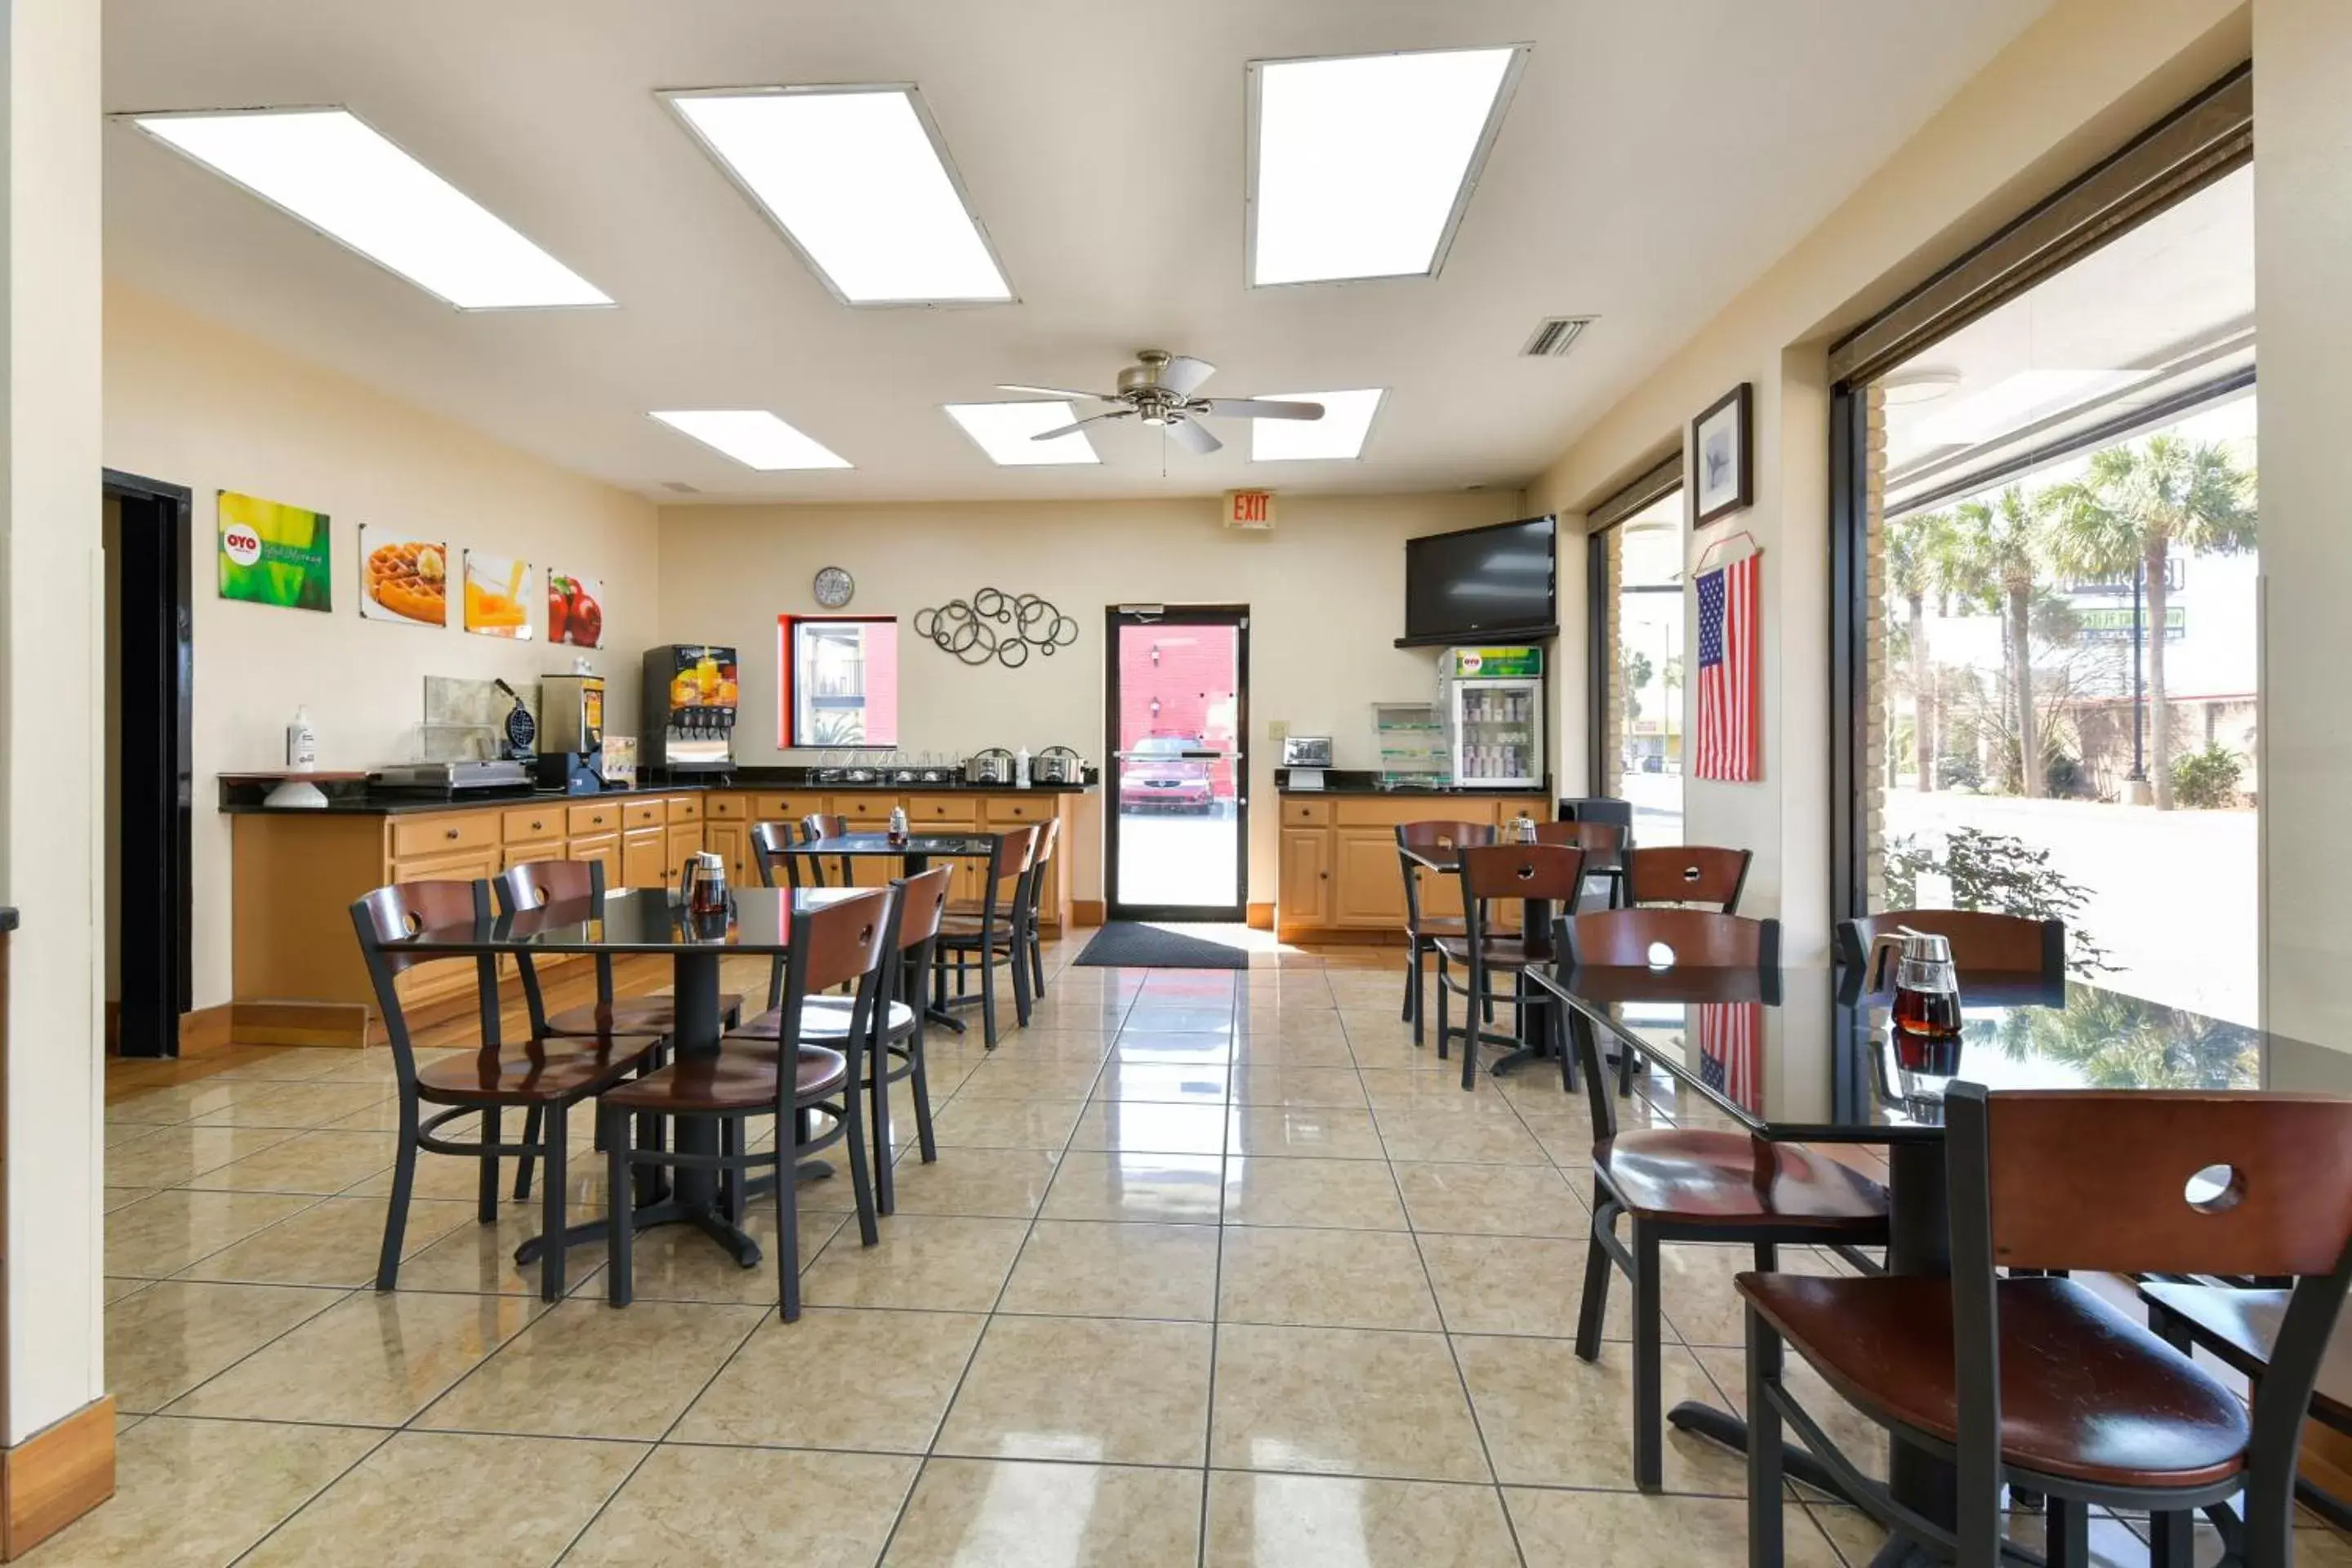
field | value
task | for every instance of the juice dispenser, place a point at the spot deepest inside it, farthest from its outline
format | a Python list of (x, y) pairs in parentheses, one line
[(689, 717)]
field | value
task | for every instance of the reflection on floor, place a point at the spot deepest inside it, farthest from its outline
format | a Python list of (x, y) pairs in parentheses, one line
[(1212, 1268)]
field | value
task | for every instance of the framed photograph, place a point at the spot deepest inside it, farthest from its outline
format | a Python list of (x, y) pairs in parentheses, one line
[(403, 579), (576, 609), (1722, 458), (272, 553), (497, 596)]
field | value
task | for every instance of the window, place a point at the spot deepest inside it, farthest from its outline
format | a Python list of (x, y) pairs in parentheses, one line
[(840, 678), (1636, 561)]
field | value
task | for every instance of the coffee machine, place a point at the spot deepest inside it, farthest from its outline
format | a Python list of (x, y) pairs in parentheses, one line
[(689, 717), (572, 733)]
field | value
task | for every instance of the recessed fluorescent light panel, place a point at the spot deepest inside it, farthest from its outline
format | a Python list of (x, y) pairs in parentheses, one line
[(1360, 167), (753, 437), (859, 181), (1004, 431), (1347, 415), (333, 171)]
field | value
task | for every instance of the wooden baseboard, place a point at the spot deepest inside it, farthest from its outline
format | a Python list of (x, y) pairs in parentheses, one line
[(206, 1030), (342, 1024), (1260, 917), (1087, 912), (56, 1476)]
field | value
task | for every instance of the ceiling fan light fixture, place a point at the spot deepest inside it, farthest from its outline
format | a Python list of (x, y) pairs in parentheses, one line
[(1339, 435), (752, 436), (859, 181)]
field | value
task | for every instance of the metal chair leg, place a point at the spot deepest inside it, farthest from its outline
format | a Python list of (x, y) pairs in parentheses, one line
[(395, 1214), (550, 1222), (1766, 1490), (1649, 1395), (485, 1208), (988, 990), (620, 1223), (878, 1086), (2066, 1540), (788, 1231), (1598, 1266), (523, 1165)]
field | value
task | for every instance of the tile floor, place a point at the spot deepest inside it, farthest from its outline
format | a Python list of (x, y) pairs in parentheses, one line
[(1214, 1268)]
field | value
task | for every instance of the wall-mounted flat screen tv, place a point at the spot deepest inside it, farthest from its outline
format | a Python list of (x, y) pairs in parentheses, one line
[(1481, 583)]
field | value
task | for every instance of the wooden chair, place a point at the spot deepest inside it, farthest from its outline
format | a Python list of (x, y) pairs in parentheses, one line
[(1691, 1184), (1422, 931), (819, 825), (547, 1083), (1982, 940), (2035, 1381), (1490, 872), (1605, 841), (841, 944), (1687, 874), (983, 938), (893, 1049), (772, 854)]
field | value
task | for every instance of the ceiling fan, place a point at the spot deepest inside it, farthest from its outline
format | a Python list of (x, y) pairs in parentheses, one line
[(1158, 389)]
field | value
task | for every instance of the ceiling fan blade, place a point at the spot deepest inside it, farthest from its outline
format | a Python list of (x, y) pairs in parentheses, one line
[(1082, 424), (1058, 392), (1194, 436), (1183, 375), (1259, 408)]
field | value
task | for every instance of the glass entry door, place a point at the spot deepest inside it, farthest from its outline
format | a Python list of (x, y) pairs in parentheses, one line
[(1178, 706)]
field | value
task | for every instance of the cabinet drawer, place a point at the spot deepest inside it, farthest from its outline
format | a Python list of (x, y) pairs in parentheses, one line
[(872, 807), (643, 814), (726, 807), (532, 824), (416, 836), (685, 808), (1010, 810), (583, 819), (785, 807), (1297, 813), (1356, 811), (943, 811)]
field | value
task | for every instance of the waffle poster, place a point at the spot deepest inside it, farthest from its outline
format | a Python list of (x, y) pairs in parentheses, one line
[(403, 579), (272, 553)]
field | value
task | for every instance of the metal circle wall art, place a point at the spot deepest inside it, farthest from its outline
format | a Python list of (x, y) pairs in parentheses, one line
[(995, 625)]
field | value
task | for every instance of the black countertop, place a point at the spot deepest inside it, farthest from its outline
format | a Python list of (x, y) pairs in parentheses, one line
[(358, 800), (1353, 780)]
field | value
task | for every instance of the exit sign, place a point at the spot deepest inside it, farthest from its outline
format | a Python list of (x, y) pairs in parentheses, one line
[(1249, 508)]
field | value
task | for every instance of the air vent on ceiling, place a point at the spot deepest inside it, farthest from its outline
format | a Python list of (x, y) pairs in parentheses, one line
[(680, 487), (1556, 336)]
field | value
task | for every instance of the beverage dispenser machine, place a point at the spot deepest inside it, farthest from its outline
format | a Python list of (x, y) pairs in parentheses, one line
[(689, 717)]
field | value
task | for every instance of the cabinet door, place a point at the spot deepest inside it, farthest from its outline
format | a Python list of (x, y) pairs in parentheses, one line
[(1367, 887), (685, 843), (601, 848), (431, 982), (731, 842), (1305, 892), (643, 853)]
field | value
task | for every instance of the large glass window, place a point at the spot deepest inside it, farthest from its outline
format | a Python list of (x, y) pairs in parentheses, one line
[(2064, 654), (1642, 726), (841, 676)]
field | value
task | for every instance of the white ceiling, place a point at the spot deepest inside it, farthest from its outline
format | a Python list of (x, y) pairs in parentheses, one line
[(1655, 158)]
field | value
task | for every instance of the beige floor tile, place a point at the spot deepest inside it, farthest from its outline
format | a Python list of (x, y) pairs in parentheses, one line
[(1285, 1045), (1482, 1130), (1070, 1388), (1006, 1078), (306, 1064), (1265, 1521), (509, 1499), (1694, 1285), (1147, 1127), (123, 1134), (174, 1499), (1174, 1188), (1626, 1530), (122, 1289), (1552, 1420), (479, 1259), (838, 1379), (1567, 1142), (123, 1197), (1298, 1085), (1005, 1183), (695, 1506), (1342, 1401), (165, 1234), (583, 1370), (1518, 1285), (303, 1105), (1402, 1087), (1348, 1195), (372, 1360), (922, 1260), (437, 1176), (168, 1338), (1323, 1278), (1491, 1200), (994, 1513), (678, 1263), (336, 1241), (1863, 1441), (1177, 1016), (1304, 1132), (321, 1163), (1163, 1080), (1092, 1269), (174, 1154), (1005, 1124)]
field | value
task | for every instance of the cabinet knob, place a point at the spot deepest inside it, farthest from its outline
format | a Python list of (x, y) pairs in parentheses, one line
[(448, 833)]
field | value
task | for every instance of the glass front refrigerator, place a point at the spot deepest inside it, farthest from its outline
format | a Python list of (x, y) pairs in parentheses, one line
[(1492, 698)]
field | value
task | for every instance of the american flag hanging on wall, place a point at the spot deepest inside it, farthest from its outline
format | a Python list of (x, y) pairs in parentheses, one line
[(1730, 668)]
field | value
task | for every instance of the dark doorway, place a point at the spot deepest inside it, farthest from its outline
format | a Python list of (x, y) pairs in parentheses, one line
[(1179, 707), (149, 715)]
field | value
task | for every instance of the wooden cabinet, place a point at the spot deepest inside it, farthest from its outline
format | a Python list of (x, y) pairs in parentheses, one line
[(1368, 886), (863, 811), (1305, 891), (443, 832), (731, 842), (644, 858), (785, 807), (595, 821), (540, 825), (685, 840), (432, 981), (604, 848)]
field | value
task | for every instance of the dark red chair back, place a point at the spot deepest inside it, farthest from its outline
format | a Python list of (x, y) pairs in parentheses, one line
[(1687, 874)]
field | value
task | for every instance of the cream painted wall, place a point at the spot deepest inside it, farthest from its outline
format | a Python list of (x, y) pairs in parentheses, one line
[(50, 575), (2073, 85), (1325, 592), (196, 404)]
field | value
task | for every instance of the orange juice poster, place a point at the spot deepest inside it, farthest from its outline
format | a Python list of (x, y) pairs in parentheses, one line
[(499, 592)]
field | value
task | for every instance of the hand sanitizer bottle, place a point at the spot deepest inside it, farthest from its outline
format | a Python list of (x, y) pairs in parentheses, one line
[(1021, 768), (301, 742)]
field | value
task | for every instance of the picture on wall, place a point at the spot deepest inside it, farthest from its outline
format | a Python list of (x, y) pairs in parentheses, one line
[(497, 595), (272, 553), (403, 579), (576, 609), (1720, 457)]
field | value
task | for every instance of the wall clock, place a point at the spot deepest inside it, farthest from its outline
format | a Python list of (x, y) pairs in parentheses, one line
[(834, 586)]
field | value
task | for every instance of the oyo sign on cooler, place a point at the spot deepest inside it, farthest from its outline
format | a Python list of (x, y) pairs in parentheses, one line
[(1249, 508)]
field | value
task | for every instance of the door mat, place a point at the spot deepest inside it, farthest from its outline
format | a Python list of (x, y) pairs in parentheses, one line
[(1131, 945)]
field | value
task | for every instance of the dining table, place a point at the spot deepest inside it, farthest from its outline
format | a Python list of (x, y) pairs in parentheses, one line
[(915, 852), (639, 922), (1807, 1053)]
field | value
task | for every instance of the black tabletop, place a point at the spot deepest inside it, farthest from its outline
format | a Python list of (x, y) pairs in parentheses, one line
[(1801, 1053), (1447, 858), (650, 919), (943, 845)]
